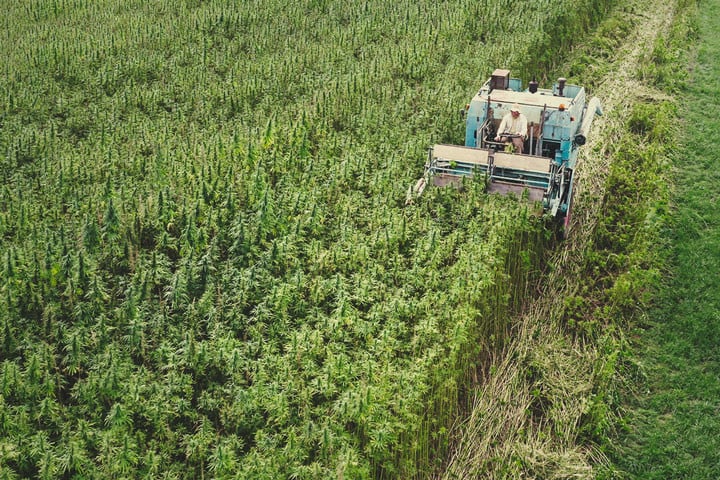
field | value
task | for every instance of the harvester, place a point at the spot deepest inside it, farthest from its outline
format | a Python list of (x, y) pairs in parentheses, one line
[(558, 122)]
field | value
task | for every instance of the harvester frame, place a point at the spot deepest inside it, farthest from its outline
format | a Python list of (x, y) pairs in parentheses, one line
[(559, 121)]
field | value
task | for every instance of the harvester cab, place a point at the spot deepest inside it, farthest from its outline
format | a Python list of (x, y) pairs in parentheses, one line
[(558, 122)]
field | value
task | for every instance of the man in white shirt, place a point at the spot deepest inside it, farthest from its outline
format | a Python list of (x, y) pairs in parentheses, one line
[(513, 128)]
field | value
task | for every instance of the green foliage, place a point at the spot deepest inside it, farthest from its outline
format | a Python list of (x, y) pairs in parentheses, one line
[(592, 58), (669, 428), (665, 66), (623, 262), (207, 266), (623, 267)]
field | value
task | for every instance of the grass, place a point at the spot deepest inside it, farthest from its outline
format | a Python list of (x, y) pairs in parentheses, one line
[(672, 426)]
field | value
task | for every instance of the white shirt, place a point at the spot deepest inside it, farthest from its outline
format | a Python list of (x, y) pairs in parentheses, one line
[(513, 126)]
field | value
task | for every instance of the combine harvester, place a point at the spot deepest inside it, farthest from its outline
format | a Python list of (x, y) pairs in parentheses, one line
[(558, 122)]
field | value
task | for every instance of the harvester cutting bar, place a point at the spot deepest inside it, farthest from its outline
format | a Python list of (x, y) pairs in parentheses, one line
[(505, 172), (449, 164), (523, 170)]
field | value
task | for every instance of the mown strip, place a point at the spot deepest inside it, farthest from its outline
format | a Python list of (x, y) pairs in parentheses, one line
[(671, 427), (625, 261)]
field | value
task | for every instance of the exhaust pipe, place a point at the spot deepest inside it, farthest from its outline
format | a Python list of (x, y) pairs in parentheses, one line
[(533, 86)]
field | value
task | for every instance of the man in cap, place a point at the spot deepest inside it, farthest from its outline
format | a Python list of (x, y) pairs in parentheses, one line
[(513, 128)]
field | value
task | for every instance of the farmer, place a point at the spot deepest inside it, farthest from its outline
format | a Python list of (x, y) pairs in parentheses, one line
[(513, 128)]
